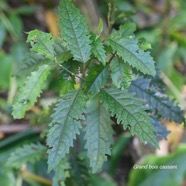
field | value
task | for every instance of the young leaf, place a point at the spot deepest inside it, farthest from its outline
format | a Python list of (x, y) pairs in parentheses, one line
[(157, 101), (98, 49), (27, 153), (28, 93), (120, 73), (65, 125), (129, 51), (129, 110), (96, 79), (41, 42), (74, 31), (100, 26), (98, 133)]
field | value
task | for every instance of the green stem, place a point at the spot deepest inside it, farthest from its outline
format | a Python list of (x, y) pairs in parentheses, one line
[(70, 72), (39, 179)]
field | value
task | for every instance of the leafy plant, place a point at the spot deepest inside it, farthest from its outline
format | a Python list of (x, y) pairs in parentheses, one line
[(103, 75)]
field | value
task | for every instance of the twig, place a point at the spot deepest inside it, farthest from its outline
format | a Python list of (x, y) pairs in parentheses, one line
[(15, 128)]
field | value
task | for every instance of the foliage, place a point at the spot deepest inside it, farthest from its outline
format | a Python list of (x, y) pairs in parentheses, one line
[(28, 153), (101, 79)]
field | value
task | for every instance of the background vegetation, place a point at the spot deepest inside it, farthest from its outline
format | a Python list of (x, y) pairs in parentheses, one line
[(161, 23)]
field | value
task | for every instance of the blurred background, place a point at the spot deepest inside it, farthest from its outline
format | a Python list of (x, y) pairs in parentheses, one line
[(162, 23)]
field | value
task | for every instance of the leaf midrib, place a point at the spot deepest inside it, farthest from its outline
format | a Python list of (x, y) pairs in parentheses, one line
[(141, 62), (74, 33)]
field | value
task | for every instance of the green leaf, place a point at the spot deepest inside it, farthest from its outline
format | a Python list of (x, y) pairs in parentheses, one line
[(28, 153), (61, 52), (98, 133), (161, 131), (100, 26), (96, 79), (143, 44), (125, 30), (41, 42), (120, 73), (28, 93), (65, 125), (129, 110), (129, 51), (74, 31), (30, 63), (157, 101), (61, 173), (98, 49), (165, 174), (33, 60), (79, 171)]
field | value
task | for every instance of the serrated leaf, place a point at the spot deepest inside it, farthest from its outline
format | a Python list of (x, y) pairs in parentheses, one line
[(41, 42), (33, 60), (30, 63), (161, 131), (74, 31), (62, 54), (129, 51), (28, 93), (157, 101), (96, 79), (65, 125), (28, 153), (129, 110), (61, 173), (98, 49), (120, 73), (98, 133)]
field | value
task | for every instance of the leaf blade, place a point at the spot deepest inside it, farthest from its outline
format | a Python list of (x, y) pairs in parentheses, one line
[(98, 133), (120, 73), (129, 110), (65, 125), (27, 153), (28, 93), (129, 51), (74, 31)]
